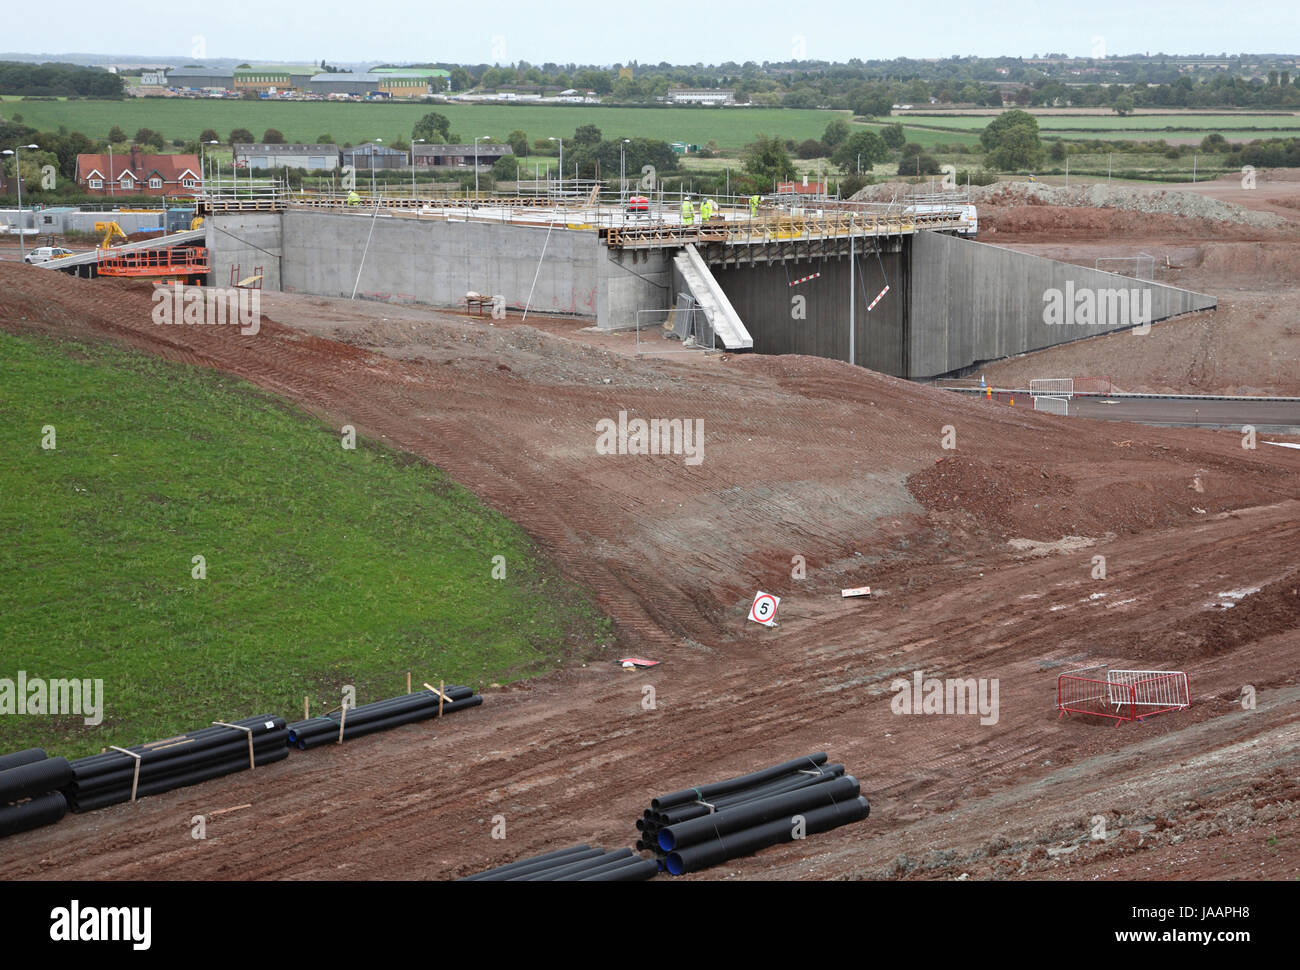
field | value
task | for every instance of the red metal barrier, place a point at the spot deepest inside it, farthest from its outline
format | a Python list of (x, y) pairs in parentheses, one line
[(1124, 695), (173, 261)]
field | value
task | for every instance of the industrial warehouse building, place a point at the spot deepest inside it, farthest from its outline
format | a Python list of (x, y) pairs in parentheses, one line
[(459, 156), (287, 156), (201, 79), (345, 84), (273, 77), (381, 156)]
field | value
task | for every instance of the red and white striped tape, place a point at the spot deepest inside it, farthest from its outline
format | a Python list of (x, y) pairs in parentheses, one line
[(878, 298), (805, 279)]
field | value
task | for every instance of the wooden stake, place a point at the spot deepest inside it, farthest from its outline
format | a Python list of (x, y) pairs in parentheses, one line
[(306, 708), (441, 696), (408, 681), (343, 719), (135, 780), (236, 808)]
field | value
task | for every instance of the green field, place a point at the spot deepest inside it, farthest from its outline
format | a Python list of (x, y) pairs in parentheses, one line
[(324, 566), (304, 121)]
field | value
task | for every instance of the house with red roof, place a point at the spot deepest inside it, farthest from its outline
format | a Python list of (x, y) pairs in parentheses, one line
[(135, 173)]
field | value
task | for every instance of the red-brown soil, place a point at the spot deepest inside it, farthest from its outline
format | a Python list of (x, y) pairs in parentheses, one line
[(802, 457)]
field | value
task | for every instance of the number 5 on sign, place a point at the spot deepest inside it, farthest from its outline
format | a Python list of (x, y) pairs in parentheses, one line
[(763, 609)]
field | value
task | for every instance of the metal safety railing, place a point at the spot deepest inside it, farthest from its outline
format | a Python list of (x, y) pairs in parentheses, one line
[(1123, 695)]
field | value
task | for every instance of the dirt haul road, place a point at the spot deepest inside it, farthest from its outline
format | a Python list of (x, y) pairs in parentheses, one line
[(982, 557)]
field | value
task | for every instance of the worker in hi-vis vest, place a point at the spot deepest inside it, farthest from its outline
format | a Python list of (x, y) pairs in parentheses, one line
[(353, 198), (688, 213), (753, 205), (706, 210)]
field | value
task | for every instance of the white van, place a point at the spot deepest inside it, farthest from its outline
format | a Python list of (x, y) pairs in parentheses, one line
[(43, 254)]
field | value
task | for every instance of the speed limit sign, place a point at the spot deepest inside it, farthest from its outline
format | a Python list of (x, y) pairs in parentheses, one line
[(763, 609)]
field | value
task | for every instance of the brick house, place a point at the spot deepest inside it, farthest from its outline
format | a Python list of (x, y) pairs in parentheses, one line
[(136, 173)]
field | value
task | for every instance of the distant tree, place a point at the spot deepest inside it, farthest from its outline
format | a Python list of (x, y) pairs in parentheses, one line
[(1011, 141), (1057, 152), (325, 140), (240, 136), (877, 104), (518, 142), (506, 168), (1214, 142), (835, 134), (851, 185), (862, 149), (433, 128), (272, 136), (811, 148), (919, 165), (1123, 105), (766, 160), (207, 135), (461, 79), (893, 136), (116, 134), (586, 135)]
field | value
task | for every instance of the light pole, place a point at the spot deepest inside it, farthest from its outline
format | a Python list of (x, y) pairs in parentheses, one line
[(419, 141), (16, 152), (622, 168), (561, 141), (485, 137), (203, 170), (377, 141)]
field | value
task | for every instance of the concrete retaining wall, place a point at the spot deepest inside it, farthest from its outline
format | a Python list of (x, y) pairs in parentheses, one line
[(247, 240), (971, 302), (437, 262), (769, 307)]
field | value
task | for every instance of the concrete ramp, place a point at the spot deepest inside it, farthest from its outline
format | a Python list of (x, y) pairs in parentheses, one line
[(706, 292)]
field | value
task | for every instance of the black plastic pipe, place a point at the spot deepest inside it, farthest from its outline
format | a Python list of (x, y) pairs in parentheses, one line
[(583, 865), (682, 813), (86, 785), (547, 857), (25, 757), (613, 860), (175, 747), (752, 780), (636, 870), (41, 810), (350, 730), (377, 710), (750, 814), (34, 778), (747, 841), (183, 779), (527, 870)]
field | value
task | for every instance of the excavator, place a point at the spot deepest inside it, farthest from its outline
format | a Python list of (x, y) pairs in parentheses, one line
[(110, 230)]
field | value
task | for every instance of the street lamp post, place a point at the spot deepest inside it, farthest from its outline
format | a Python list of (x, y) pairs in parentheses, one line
[(476, 162), (622, 168), (16, 152), (419, 141), (203, 170), (561, 141)]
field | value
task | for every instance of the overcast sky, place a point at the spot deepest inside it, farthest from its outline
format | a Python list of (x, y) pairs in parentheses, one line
[(503, 31)]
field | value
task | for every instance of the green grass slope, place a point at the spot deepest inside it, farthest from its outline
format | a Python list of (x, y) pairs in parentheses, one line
[(324, 566)]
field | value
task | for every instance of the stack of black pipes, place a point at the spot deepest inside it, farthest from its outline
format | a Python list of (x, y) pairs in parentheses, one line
[(379, 716), (29, 790), (106, 779), (578, 863), (703, 826)]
